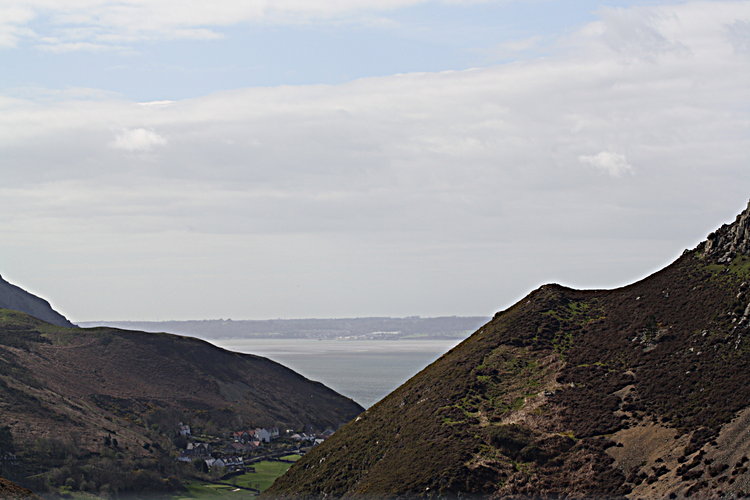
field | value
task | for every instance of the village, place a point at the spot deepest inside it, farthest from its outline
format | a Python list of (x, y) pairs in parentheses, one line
[(237, 451)]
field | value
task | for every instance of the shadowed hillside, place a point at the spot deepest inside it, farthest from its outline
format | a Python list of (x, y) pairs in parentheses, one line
[(640, 392), (11, 491), (18, 299), (111, 400)]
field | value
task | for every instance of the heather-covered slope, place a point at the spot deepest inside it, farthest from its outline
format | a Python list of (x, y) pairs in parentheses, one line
[(11, 491), (18, 299), (639, 391), (115, 397)]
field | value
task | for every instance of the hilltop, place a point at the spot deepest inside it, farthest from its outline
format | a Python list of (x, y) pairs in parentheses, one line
[(101, 406), (635, 392), (18, 299)]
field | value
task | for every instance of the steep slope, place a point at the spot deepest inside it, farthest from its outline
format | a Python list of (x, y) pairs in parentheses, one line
[(18, 299), (640, 392), (11, 491), (70, 393)]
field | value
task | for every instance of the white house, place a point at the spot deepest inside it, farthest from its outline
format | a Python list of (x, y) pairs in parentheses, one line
[(262, 435)]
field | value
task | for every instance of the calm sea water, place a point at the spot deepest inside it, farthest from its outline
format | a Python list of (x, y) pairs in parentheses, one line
[(364, 370)]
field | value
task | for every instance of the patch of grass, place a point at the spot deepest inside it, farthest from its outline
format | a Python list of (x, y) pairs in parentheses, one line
[(563, 322), (450, 421), (199, 491), (715, 268), (739, 267), (562, 341), (265, 474), (505, 378), (518, 403), (573, 310)]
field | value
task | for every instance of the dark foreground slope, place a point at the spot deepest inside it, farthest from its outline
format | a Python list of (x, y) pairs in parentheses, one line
[(113, 398), (11, 491), (641, 391), (18, 299)]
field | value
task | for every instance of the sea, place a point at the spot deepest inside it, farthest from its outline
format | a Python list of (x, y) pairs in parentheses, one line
[(364, 370)]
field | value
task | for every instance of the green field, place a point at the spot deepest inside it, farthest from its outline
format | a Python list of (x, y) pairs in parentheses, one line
[(265, 474)]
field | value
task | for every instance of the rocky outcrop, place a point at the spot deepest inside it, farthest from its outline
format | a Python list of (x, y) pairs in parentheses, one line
[(18, 299), (729, 240)]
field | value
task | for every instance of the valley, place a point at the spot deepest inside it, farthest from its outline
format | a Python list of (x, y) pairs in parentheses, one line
[(98, 408)]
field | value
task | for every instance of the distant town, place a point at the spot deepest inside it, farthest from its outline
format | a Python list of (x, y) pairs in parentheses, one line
[(408, 328), (237, 451)]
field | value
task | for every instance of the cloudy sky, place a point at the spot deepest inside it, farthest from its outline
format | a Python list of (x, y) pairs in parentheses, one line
[(179, 159)]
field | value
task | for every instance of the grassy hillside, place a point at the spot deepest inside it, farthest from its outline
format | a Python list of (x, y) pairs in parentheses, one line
[(260, 479), (639, 391), (98, 405)]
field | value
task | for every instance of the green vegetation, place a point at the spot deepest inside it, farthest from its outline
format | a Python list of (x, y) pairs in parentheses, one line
[(739, 267), (110, 428), (566, 318), (14, 319), (265, 474), (199, 491), (575, 309)]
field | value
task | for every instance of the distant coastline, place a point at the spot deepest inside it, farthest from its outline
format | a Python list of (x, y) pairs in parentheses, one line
[(374, 328)]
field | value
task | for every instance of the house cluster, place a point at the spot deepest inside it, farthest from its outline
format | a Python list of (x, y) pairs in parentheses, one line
[(238, 450), (229, 464), (193, 451), (259, 435), (229, 452), (311, 438)]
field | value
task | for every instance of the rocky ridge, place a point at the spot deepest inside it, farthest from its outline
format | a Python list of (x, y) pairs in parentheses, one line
[(729, 240), (637, 392)]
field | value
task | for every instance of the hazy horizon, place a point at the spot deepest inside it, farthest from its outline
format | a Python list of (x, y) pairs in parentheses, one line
[(283, 319)]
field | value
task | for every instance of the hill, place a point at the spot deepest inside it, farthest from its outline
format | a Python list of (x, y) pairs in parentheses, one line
[(18, 299), (11, 491), (76, 402), (635, 392)]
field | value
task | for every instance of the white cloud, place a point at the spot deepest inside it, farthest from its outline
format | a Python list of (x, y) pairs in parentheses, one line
[(638, 32), (614, 164), (58, 47), (138, 139), (88, 24), (13, 24), (739, 35), (513, 49), (393, 181)]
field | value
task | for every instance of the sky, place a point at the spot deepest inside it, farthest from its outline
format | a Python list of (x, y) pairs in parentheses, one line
[(246, 159)]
